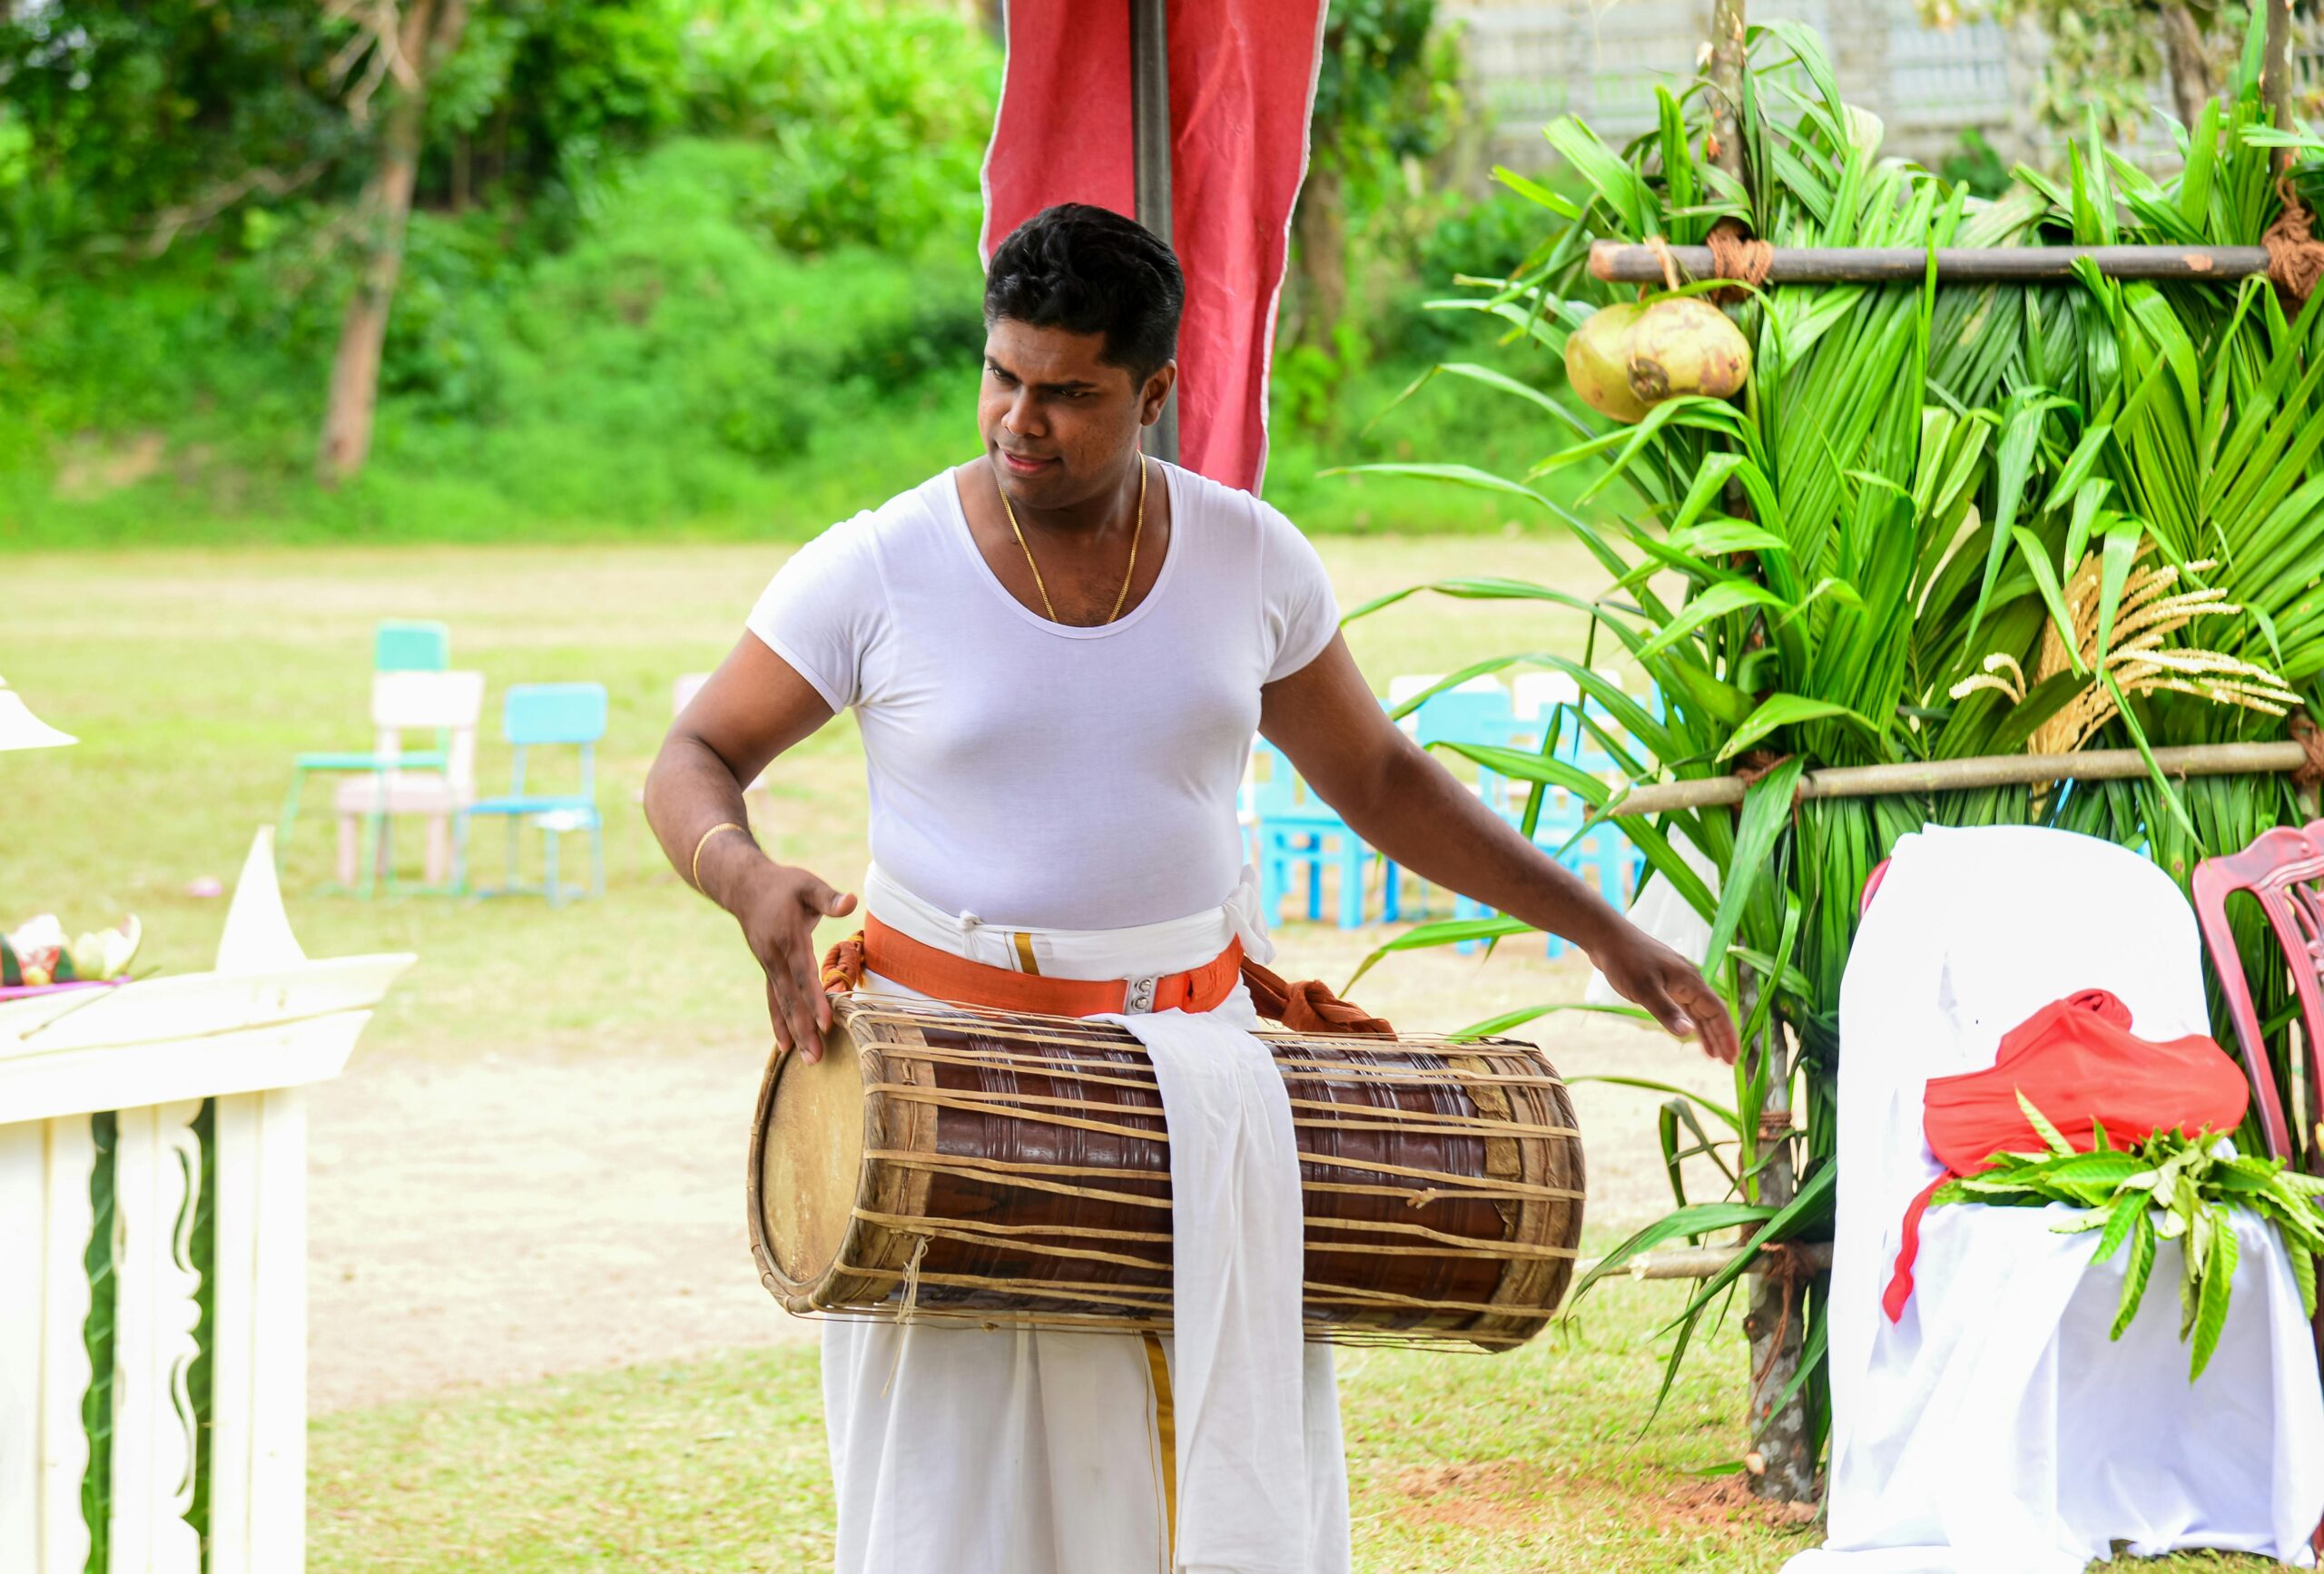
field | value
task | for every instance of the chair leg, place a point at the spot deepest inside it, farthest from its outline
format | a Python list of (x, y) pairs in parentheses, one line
[(375, 854), (460, 855), (597, 862), (508, 868), (1352, 857), (548, 868), (290, 817), (1391, 904), (1315, 882), (1465, 907), (1275, 879), (439, 849), (349, 839)]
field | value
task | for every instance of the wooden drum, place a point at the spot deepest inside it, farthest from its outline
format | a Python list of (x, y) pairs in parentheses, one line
[(993, 1169)]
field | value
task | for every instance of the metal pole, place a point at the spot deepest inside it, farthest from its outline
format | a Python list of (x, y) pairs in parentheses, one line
[(1150, 92)]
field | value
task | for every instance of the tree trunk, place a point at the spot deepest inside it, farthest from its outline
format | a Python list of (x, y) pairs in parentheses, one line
[(1320, 224), (428, 36), (2192, 86), (2275, 73), (1776, 1322), (1726, 76)]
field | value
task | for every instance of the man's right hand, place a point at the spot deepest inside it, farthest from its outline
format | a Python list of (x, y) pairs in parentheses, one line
[(778, 908)]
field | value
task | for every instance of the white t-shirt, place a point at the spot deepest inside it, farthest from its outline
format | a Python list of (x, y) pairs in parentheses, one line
[(1038, 774)]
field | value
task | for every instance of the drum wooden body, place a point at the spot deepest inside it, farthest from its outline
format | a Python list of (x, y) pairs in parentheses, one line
[(997, 1169)]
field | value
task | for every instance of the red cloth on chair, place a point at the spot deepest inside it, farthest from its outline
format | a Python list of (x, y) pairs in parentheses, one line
[(2077, 1061)]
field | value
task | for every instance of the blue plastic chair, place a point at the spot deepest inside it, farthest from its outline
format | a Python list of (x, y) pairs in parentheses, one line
[(550, 715), (397, 646), (1471, 716), (1296, 830)]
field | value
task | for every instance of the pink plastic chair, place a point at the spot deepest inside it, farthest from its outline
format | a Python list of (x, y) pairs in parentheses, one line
[(2281, 869)]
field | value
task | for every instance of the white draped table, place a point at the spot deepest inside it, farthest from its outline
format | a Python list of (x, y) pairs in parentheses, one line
[(153, 1253)]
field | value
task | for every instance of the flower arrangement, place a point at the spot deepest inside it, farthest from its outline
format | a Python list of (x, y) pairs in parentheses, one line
[(36, 955)]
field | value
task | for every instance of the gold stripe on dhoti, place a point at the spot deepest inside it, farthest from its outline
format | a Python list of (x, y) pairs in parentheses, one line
[(1166, 1432)]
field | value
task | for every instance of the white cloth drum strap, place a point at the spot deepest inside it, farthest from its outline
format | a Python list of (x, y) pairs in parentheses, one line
[(1252, 1402)]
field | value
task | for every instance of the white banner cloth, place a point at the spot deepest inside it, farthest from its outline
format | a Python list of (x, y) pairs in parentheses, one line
[(1996, 1430)]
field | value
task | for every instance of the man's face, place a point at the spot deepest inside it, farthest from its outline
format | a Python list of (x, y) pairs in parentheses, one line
[(1057, 420)]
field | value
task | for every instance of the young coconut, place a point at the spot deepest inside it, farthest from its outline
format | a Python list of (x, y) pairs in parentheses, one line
[(1685, 346), (1598, 366)]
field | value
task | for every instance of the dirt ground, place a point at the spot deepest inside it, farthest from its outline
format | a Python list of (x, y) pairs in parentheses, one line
[(486, 1221)]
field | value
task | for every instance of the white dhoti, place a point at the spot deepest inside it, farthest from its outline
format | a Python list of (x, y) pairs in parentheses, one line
[(1032, 1451)]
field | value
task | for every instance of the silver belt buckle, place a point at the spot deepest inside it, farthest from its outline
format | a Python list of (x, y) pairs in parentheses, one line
[(1138, 997)]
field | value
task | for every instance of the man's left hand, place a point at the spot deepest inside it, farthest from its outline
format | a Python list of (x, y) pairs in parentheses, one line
[(1644, 971)]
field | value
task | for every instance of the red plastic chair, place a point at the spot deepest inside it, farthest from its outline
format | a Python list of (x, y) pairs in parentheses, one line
[(2282, 868)]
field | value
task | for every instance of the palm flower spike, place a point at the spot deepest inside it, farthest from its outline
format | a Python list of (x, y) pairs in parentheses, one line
[(2152, 610)]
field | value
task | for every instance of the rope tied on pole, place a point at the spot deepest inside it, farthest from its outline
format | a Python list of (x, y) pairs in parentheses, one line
[(1735, 257), (2295, 256), (2307, 778)]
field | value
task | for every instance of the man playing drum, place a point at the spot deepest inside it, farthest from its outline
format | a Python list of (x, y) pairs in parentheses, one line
[(1058, 654)]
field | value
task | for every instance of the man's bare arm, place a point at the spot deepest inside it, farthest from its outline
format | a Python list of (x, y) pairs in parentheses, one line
[(752, 708), (1414, 810)]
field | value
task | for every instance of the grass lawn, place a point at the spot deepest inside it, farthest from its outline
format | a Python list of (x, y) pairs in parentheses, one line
[(194, 675), (1532, 1461)]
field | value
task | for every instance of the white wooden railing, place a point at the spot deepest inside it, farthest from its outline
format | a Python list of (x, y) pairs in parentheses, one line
[(153, 1254)]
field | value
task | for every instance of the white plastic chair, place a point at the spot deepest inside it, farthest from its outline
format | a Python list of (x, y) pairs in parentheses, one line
[(414, 702), (1996, 1427), (1535, 692)]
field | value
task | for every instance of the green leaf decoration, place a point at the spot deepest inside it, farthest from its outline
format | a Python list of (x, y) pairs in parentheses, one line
[(2210, 1321), (2042, 1126), (2134, 1277)]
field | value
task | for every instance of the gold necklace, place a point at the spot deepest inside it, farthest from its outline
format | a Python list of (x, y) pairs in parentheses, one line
[(1137, 530)]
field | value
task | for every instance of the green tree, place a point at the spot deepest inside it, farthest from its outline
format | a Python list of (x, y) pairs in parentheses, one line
[(2108, 56), (1385, 95)]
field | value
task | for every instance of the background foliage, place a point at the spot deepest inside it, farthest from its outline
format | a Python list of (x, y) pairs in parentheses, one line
[(694, 266), (1944, 521)]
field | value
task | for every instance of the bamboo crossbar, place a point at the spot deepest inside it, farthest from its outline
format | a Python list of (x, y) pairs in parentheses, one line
[(1981, 770), (1618, 263), (1709, 1262)]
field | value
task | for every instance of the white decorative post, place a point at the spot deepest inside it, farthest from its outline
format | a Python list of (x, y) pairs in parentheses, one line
[(153, 1350)]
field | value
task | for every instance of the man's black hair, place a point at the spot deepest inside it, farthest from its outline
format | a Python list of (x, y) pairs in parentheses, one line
[(1089, 270)]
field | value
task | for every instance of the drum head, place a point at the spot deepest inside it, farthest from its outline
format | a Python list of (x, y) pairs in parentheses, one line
[(813, 1158)]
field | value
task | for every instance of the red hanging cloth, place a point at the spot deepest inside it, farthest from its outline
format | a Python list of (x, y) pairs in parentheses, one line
[(2077, 1061), (1242, 86)]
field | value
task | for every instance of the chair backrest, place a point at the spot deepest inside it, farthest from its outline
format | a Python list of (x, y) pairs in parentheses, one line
[(554, 713), (408, 646), (537, 714), (1467, 716), (2281, 869), (450, 703), (1533, 693), (1273, 787), (1972, 931)]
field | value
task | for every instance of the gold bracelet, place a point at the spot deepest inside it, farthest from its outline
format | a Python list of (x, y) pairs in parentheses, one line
[(722, 825)]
